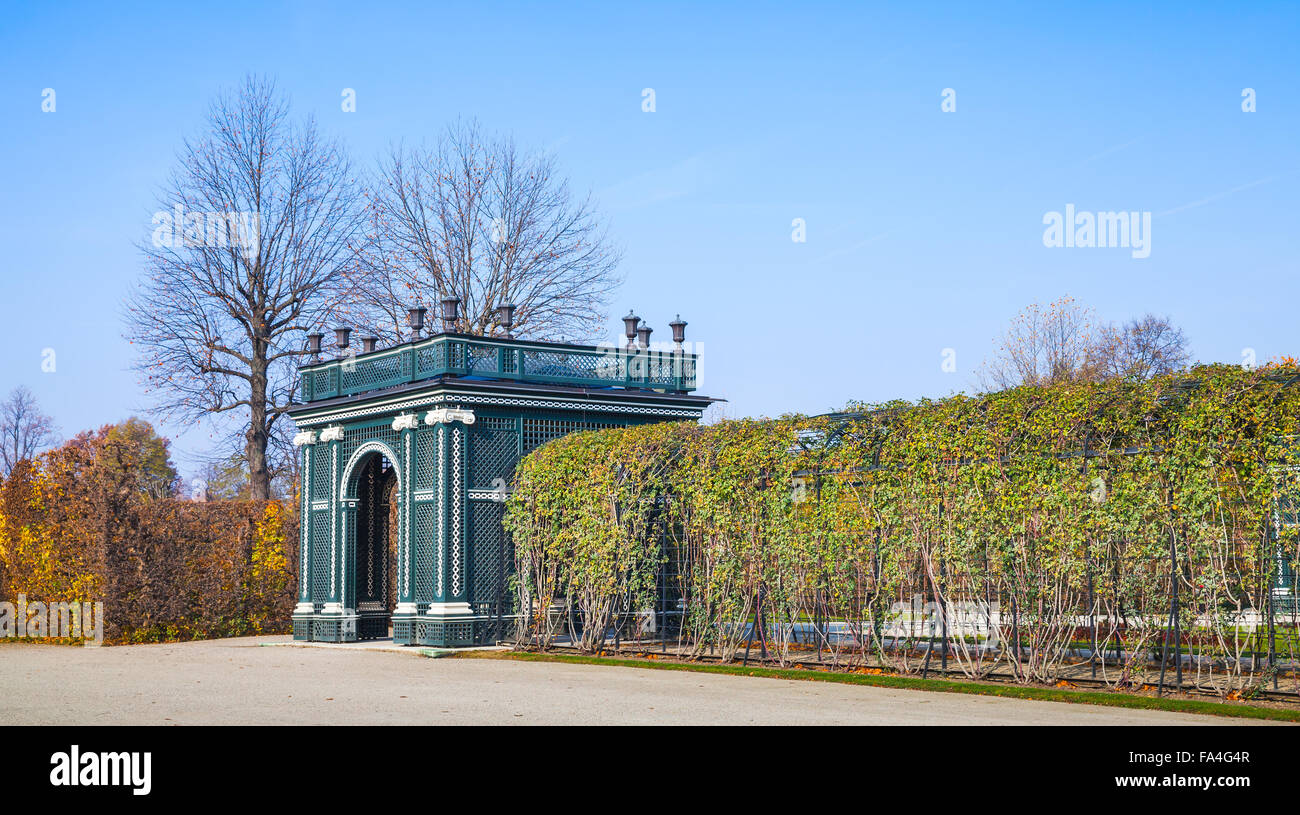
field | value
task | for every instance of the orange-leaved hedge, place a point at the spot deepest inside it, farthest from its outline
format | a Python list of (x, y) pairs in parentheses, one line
[(75, 526)]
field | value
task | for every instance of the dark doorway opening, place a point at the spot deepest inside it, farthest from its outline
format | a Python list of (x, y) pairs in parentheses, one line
[(376, 537)]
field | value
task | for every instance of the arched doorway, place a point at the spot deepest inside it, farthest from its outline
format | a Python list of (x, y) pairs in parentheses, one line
[(376, 545)]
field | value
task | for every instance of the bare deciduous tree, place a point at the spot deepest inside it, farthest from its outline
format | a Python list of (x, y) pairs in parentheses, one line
[(1043, 346), (476, 218), (1140, 349), (256, 230), (1064, 343), (24, 430)]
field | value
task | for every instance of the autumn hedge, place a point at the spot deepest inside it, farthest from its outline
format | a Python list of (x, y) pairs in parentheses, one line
[(75, 524)]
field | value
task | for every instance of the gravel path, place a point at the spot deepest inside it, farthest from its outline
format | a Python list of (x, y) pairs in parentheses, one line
[(240, 682)]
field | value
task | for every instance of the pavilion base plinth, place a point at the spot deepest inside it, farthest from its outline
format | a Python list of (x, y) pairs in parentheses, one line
[(453, 625), (404, 617), (445, 632), (435, 630), (445, 625), (334, 624), (302, 617)]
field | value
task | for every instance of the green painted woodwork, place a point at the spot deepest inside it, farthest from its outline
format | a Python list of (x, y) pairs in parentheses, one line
[(441, 424), (532, 362)]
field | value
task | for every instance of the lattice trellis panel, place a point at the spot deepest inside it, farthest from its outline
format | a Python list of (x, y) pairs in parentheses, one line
[(493, 451), (359, 374), (323, 381), (662, 370), (687, 366), (320, 473), (304, 527), (426, 459), (490, 561), (349, 533), (425, 545), (432, 357), (319, 547), (567, 365), (481, 359), (540, 431)]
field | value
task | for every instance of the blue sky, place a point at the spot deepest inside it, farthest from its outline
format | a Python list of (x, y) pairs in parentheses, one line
[(924, 228)]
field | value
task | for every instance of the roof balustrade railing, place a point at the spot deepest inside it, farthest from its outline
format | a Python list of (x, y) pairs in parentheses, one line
[(463, 355)]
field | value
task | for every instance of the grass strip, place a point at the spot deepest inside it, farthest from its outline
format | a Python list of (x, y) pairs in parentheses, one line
[(1078, 697)]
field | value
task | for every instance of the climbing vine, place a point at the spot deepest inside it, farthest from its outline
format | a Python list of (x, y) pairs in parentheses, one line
[(1023, 532)]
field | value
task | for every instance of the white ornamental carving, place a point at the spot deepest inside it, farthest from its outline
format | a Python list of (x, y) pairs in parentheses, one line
[(334, 433), (407, 421), (304, 437), (448, 415)]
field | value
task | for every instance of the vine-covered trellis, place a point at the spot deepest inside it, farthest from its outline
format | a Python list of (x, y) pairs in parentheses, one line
[(1127, 533)]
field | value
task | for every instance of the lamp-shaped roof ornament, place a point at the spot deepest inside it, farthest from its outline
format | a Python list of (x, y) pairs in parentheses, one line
[(506, 317), (629, 326), (368, 344), (450, 312), (643, 336), (679, 331), (415, 318), (341, 337), (313, 346)]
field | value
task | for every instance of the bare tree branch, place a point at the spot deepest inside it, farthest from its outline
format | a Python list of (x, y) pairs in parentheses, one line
[(24, 430), (254, 239), (1140, 349), (1043, 346), (475, 218), (1063, 343)]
